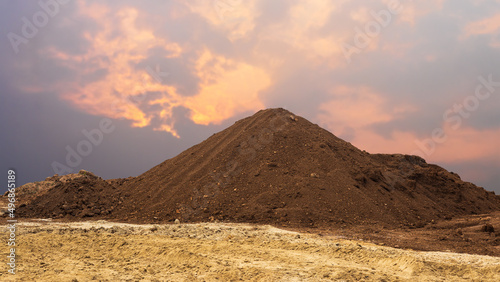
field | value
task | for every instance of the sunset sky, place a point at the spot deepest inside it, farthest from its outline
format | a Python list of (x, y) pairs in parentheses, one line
[(128, 84)]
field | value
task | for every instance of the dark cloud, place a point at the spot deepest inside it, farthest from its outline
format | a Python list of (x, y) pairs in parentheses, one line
[(483, 173), (179, 71)]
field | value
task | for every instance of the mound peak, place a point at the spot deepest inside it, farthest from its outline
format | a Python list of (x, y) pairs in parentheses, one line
[(276, 167)]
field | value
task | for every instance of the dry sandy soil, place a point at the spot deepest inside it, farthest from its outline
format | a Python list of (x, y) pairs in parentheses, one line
[(106, 251)]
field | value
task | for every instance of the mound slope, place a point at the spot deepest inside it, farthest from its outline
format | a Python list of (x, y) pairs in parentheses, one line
[(76, 195), (275, 167)]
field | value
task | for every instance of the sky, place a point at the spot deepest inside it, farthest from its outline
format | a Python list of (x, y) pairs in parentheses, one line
[(117, 87)]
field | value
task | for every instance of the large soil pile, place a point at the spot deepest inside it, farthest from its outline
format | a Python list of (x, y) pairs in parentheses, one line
[(275, 167)]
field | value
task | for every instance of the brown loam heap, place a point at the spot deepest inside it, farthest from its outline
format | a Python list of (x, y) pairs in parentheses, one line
[(278, 168)]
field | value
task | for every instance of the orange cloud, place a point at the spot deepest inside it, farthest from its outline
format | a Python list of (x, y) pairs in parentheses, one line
[(237, 20), (301, 32), (399, 142), (412, 11), (235, 17), (111, 95), (227, 86), (356, 107), (464, 144), (490, 26)]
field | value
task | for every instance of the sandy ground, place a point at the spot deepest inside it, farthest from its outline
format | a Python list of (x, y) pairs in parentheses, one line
[(106, 251)]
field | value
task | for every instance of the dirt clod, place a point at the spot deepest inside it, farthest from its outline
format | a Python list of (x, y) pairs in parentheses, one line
[(488, 228)]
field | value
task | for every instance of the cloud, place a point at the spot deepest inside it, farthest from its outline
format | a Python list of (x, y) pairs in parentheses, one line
[(356, 108), (111, 82), (459, 146), (236, 18), (227, 88), (467, 143), (489, 25), (486, 27)]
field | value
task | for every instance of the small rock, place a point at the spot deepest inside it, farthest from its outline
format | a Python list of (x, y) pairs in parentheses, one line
[(488, 228), (87, 173), (293, 118), (52, 178), (315, 175), (177, 221)]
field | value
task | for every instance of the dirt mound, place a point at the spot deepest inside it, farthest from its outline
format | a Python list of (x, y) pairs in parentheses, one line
[(275, 167), (74, 195), (28, 192)]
